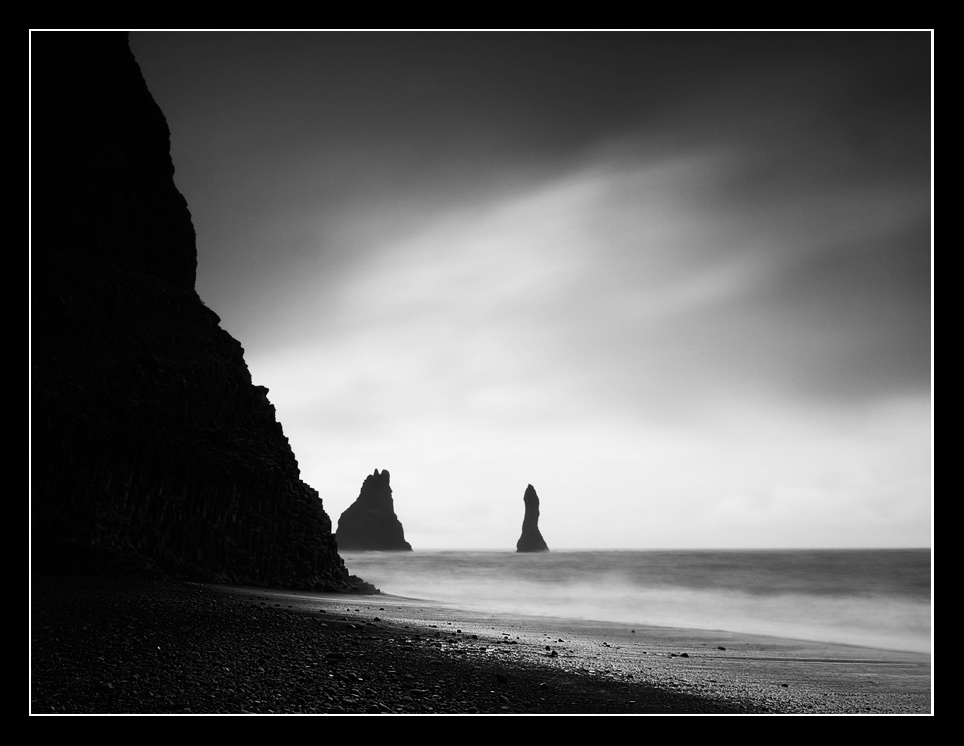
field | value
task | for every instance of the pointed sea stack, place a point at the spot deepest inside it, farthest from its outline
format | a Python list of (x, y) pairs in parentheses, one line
[(531, 539), (370, 522)]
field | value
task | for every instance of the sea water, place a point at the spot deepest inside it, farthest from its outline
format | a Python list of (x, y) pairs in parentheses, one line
[(875, 597)]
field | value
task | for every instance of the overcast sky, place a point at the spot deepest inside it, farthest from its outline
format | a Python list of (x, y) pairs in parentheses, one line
[(680, 283)]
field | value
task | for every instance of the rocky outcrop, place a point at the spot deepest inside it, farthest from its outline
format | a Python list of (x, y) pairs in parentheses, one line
[(151, 447), (370, 522), (531, 539)]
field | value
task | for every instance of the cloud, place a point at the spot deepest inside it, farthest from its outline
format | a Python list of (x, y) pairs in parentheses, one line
[(682, 279), (588, 335)]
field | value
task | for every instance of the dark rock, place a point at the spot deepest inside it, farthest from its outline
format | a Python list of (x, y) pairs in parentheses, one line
[(370, 522), (152, 450), (531, 539)]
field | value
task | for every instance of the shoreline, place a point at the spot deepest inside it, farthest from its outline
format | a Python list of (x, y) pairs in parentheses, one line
[(803, 675), (135, 646)]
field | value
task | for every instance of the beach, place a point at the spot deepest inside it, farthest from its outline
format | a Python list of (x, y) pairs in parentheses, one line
[(137, 646)]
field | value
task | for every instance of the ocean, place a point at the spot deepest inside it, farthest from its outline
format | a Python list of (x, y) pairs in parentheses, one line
[(871, 597)]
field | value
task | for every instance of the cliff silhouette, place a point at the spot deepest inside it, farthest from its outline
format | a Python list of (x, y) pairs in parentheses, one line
[(152, 449), (370, 522), (531, 539)]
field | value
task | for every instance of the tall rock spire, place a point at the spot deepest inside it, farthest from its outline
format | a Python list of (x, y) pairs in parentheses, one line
[(531, 539)]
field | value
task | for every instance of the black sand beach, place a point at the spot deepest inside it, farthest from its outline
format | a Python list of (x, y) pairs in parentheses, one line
[(134, 646)]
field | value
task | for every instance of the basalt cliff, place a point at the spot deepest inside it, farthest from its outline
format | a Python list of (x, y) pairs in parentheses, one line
[(531, 539), (151, 448), (370, 522)]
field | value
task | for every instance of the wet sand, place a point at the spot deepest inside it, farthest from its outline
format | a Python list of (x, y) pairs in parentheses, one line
[(779, 674)]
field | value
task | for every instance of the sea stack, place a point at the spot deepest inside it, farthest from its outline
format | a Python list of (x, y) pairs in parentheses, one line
[(531, 539), (370, 522)]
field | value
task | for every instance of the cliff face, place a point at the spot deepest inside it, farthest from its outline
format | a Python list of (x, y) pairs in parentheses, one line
[(531, 539), (370, 522), (151, 447)]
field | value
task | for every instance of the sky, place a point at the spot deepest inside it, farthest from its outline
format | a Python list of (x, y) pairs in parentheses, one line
[(679, 282)]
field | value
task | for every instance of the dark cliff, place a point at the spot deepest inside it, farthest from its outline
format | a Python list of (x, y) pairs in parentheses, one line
[(370, 522), (531, 539), (151, 449)]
